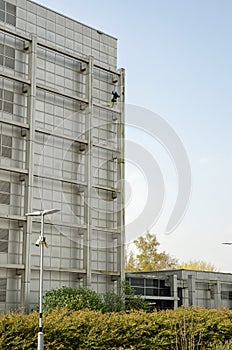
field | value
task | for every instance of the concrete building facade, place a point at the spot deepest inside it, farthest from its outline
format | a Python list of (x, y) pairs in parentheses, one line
[(173, 288), (62, 147)]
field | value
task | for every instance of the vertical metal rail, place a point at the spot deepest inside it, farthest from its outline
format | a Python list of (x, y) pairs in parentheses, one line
[(121, 215), (89, 174), (28, 199)]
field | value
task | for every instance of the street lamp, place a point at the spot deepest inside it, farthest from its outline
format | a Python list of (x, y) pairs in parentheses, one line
[(41, 241)]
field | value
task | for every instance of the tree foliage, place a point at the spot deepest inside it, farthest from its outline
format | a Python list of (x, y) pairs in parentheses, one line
[(147, 257), (198, 265)]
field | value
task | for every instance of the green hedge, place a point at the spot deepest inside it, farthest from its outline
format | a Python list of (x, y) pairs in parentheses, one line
[(181, 329)]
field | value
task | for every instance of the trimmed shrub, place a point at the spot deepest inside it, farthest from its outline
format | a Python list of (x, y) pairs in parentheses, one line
[(180, 329)]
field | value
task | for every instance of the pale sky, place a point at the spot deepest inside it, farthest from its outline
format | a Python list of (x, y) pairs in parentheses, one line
[(177, 55)]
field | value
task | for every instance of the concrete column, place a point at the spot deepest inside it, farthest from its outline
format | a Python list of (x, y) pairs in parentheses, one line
[(174, 290), (185, 297), (217, 295), (192, 290)]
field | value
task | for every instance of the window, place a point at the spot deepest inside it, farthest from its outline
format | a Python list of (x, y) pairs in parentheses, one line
[(7, 56), (6, 146), (7, 13), (4, 192), (4, 238), (137, 281), (226, 295), (6, 101), (152, 282), (2, 289)]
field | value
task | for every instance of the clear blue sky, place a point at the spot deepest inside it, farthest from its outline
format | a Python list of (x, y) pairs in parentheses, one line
[(178, 60)]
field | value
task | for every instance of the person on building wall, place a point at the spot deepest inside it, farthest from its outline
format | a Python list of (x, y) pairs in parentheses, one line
[(114, 98)]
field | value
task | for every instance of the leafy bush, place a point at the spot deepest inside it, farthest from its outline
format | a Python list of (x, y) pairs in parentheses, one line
[(85, 298), (72, 299), (181, 329)]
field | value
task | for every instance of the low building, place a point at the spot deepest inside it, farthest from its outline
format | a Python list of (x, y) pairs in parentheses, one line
[(173, 288)]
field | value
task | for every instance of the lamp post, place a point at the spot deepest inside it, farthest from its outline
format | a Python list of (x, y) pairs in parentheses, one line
[(41, 241)]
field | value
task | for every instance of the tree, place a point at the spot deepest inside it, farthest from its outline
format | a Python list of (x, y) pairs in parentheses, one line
[(148, 258), (131, 264), (197, 265)]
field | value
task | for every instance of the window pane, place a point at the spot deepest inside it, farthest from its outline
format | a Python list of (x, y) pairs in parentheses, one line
[(9, 51), (6, 152), (1, 60), (137, 281), (3, 247), (9, 62), (2, 5), (4, 198), (3, 289), (1, 49), (4, 234), (8, 95), (2, 16), (152, 291), (10, 19), (4, 186), (6, 140), (8, 107), (139, 290), (152, 283), (11, 8), (2, 283)]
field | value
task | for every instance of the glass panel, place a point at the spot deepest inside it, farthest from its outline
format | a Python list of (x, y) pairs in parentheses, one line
[(165, 292), (4, 234), (9, 51), (4, 186), (2, 16), (162, 283), (152, 291), (8, 95), (9, 62), (8, 107), (2, 283), (6, 152), (7, 141), (11, 8), (151, 283), (10, 19), (3, 247), (137, 281), (139, 290), (2, 5), (4, 198), (2, 296)]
